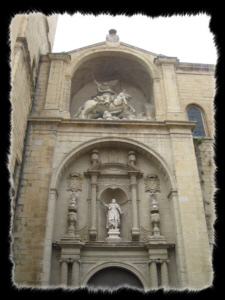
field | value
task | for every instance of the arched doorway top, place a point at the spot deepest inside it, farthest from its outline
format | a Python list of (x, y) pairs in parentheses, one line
[(107, 142), (124, 267)]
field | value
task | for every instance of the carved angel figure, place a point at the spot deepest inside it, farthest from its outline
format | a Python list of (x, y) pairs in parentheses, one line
[(113, 215)]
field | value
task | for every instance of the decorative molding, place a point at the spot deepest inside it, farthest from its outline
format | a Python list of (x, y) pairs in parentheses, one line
[(144, 233)]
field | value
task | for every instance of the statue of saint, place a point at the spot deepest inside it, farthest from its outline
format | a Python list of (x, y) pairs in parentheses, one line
[(113, 215)]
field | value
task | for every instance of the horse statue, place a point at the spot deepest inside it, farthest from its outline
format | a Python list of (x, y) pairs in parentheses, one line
[(107, 106)]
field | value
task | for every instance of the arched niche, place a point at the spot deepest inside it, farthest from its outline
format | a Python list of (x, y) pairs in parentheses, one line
[(132, 74), (122, 198), (113, 143)]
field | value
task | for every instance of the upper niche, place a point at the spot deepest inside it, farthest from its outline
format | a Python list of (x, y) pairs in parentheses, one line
[(130, 75)]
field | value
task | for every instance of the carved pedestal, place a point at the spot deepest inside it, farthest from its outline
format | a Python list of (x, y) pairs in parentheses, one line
[(113, 235)]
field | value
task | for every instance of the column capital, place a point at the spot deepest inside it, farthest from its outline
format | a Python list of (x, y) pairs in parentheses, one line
[(161, 59)]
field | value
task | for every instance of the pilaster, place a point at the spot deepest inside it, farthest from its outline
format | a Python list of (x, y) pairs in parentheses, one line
[(188, 210), (93, 229), (168, 67), (54, 89)]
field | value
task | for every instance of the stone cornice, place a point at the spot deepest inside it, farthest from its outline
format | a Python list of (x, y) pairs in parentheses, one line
[(115, 123), (195, 67), (161, 60), (110, 122), (60, 56)]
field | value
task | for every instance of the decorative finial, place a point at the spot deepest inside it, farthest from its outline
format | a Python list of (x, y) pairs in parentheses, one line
[(112, 37)]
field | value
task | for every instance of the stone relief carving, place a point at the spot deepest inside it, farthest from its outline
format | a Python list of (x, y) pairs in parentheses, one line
[(82, 232), (145, 233), (74, 182), (72, 215), (152, 183), (74, 186), (108, 105), (155, 218)]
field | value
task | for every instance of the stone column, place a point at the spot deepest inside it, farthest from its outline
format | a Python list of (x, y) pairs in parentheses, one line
[(135, 229), (64, 272), (164, 274), (153, 274), (75, 282), (48, 236), (180, 251), (93, 230)]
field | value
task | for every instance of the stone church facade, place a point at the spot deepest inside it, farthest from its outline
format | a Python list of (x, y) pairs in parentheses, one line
[(112, 121)]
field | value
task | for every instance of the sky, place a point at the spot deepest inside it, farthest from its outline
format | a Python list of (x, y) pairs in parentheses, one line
[(186, 37)]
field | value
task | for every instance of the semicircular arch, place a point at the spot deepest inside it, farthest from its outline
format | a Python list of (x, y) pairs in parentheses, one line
[(122, 265), (89, 54), (112, 141)]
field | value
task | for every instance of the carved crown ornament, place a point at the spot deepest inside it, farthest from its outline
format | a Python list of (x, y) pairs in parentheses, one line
[(74, 182), (152, 183)]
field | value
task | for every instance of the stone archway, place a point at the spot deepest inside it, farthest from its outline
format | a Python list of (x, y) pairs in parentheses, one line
[(114, 277), (88, 146)]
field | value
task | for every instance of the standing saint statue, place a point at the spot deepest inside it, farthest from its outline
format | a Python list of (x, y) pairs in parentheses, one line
[(113, 215)]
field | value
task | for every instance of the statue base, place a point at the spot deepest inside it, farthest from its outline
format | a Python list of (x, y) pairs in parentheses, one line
[(113, 236)]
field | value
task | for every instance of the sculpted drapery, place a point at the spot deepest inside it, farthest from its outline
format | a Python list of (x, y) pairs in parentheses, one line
[(113, 215)]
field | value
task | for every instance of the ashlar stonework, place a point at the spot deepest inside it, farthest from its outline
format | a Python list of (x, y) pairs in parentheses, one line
[(110, 122)]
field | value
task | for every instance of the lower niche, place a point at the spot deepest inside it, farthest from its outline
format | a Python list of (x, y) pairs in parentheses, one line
[(114, 277)]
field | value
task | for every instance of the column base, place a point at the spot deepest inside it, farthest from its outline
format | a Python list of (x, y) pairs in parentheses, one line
[(93, 234), (135, 234)]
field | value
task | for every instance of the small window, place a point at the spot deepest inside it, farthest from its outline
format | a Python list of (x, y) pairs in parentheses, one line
[(194, 114)]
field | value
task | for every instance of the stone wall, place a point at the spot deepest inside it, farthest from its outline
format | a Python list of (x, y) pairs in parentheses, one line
[(30, 224), (30, 36), (204, 154)]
